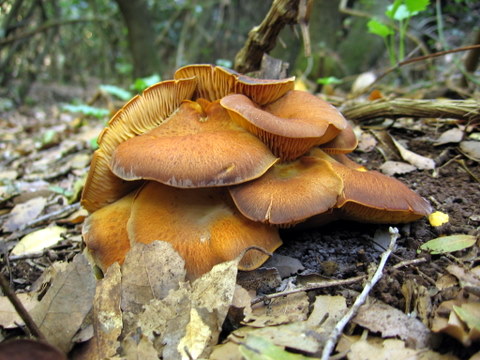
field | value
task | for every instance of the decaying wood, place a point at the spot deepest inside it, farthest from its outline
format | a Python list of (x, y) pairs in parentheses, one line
[(468, 110), (262, 38)]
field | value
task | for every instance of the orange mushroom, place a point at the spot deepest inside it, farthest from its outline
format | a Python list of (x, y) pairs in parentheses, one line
[(140, 114), (195, 147), (369, 196), (215, 82), (289, 192), (201, 224), (105, 232), (291, 125)]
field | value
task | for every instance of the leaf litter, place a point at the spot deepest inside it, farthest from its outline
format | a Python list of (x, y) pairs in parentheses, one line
[(141, 309)]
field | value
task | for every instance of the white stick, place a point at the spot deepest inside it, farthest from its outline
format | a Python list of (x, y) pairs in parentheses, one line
[(332, 339)]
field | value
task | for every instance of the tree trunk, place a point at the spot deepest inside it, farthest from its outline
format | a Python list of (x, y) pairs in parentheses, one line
[(141, 36)]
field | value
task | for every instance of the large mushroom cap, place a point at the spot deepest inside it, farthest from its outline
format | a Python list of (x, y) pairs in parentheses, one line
[(195, 147), (105, 232), (369, 196), (140, 114), (201, 224), (291, 125), (289, 192), (215, 82)]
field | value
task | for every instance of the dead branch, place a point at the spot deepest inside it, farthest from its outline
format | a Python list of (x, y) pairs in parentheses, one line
[(262, 38), (468, 110)]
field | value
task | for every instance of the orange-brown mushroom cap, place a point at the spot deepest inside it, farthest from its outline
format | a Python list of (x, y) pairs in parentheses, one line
[(369, 196), (215, 82), (140, 114), (289, 192), (291, 125), (201, 224), (345, 142), (195, 147), (105, 232)]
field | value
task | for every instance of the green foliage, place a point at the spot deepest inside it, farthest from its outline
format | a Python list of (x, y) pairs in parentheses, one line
[(141, 84), (399, 12), (447, 244), (328, 80), (120, 93), (86, 110)]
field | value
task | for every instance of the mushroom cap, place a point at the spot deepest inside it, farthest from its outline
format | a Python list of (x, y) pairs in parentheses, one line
[(105, 232), (369, 196), (345, 142), (215, 82), (140, 114), (202, 225), (195, 147), (289, 192), (291, 125)]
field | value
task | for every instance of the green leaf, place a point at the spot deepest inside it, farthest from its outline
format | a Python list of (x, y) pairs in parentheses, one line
[(378, 28), (470, 314), (141, 84), (446, 244), (259, 348), (120, 93), (416, 6), (329, 80), (400, 13), (86, 110), (392, 9)]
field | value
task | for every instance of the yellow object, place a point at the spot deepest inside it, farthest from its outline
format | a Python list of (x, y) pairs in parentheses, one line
[(438, 218)]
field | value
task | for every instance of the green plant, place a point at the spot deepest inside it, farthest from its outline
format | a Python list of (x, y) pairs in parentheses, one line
[(399, 13)]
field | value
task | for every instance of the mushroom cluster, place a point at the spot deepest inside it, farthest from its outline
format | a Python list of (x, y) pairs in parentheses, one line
[(214, 162)]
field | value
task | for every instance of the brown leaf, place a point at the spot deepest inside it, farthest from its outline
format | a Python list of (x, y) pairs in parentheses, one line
[(64, 307)]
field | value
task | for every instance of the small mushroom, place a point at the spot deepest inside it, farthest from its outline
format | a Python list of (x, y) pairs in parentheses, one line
[(198, 146), (289, 192), (291, 125), (345, 142), (140, 114), (201, 224), (105, 232), (215, 82)]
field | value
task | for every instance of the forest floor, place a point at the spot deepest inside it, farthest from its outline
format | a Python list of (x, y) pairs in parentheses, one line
[(45, 154)]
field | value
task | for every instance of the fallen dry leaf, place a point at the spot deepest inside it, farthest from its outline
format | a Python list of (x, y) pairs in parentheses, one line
[(390, 322), (391, 168), (9, 317), (39, 240), (454, 135), (286, 265), (24, 213), (62, 310), (419, 161)]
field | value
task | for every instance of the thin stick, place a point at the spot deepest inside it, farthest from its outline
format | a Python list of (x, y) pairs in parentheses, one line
[(17, 304), (332, 339), (314, 286)]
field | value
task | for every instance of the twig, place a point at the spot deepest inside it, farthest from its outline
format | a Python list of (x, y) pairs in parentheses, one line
[(332, 339), (67, 210), (262, 38), (314, 286), (17, 304), (456, 109)]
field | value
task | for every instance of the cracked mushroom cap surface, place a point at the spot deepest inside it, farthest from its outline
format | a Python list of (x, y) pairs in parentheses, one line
[(291, 125), (202, 225), (370, 196), (140, 114), (198, 146), (215, 82), (289, 193)]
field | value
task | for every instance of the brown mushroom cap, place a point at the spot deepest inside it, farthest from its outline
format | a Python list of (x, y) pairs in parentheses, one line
[(195, 147), (201, 224), (140, 114), (289, 192), (215, 82), (105, 232), (369, 196), (345, 142), (291, 125)]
